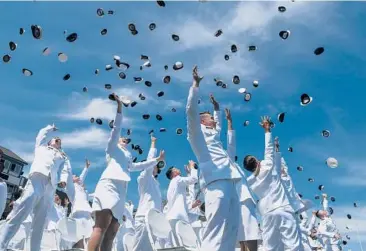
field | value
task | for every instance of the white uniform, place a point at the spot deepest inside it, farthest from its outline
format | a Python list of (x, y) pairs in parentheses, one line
[(327, 229), (21, 238), (110, 192), (177, 201), (81, 208), (280, 231), (293, 196), (3, 196), (305, 229), (193, 213), (150, 197), (130, 221), (38, 193), (248, 227), (66, 176), (218, 177)]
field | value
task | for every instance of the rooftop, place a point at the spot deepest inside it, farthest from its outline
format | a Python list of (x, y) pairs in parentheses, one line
[(12, 155)]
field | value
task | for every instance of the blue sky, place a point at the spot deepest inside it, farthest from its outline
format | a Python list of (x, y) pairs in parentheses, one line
[(284, 68)]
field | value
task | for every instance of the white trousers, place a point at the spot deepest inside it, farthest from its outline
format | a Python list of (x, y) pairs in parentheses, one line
[(248, 226), (37, 198), (3, 196), (141, 238), (332, 247), (281, 231), (222, 212)]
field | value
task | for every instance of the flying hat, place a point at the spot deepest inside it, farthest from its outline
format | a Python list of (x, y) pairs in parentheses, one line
[(305, 99), (284, 34), (177, 66), (332, 162), (318, 51)]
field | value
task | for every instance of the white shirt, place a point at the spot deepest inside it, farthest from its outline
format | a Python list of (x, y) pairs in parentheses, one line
[(66, 176), (193, 213), (176, 195), (267, 185), (293, 196), (149, 189), (215, 163), (55, 213), (327, 228), (119, 159), (81, 203), (130, 221), (241, 187), (48, 161)]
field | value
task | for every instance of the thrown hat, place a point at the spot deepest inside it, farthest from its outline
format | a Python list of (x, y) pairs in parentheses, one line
[(162, 130), (12, 46), (305, 99), (144, 57), (159, 118), (165, 67), (318, 51), (152, 26), (332, 162), (226, 57), (110, 12), (300, 168), (108, 86), (252, 48), (175, 37), (137, 79), (246, 123), (325, 133), (160, 93), (166, 79), (36, 31), (141, 96), (173, 109), (148, 83), (234, 48), (281, 117), (321, 187), (92, 120), (96, 72), (247, 96), (281, 9), (349, 216), (135, 32), (111, 124), (242, 90), (140, 151), (66, 77), (103, 32), (317, 197), (218, 82), (284, 34), (99, 121), (125, 100), (161, 3), (21, 31), (111, 97), (224, 86), (128, 131), (236, 80), (131, 27), (133, 103), (161, 164), (85, 89), (100, 12), (27, 72), (255, 83), (290, 149), (177, 66), (134, 160), (122, 75), (311, 180), (354, 204), (46, 51), (147, 64), (218, 33), (72, 37), (62, 57), (6, 58), (179, 131), (146, 116), (332, 199), (122, 65)]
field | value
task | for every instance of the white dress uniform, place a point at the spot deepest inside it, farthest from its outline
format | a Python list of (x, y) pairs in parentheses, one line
[(130, 221), (293, 196), (218, 177), (110, 192), (280, 231), (38, 193), (81, 208), (327, 229), (248, 227), (66, 176), (177, 199), (150, 197), (21, 238), (305, 229), (193, 213), (3, 196)]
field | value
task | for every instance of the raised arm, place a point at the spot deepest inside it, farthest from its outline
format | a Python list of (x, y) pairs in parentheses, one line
[(194, 132), (268, 144), (66, 172), (117, 126), (231, 137), (42, 137), (152, 154), (325, 202), (193, 177), (216, 113), (284, 168), (85, 171), (143, 165)]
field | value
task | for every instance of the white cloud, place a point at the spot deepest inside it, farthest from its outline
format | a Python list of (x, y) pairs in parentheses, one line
[(91, 137)]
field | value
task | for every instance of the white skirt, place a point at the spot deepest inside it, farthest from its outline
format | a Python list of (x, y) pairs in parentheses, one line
[(248, 227), (110, 194)]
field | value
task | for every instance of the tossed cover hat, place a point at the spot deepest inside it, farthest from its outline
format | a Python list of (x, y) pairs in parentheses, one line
[(281, 117), (318, 51), (349, 216), (284, 34), (247, 96), (92, 120), (12, 46), (137, 79), (218, 82), (21, 31), (133, 103), (177, 66), (233, 48), (85, 89), (103, 32), (242, 90), (161, 3), (175, 37), (179, 131), (72, 37), (305, 99), (300, 168), (146, 116), (321, 187), (161, 164), (160, 94), (246, 123), (122, 75), (111, 124), (281, 9), (218, 33), (332, 199), (62, 57), (6, 58), (36, 31), (148, 83), (122, 65), (67, 77), (100, 12), (159, 117), (27, 72), (290, 149), (166, 79), (46, 51), (252, 48), (255, 83), (226, 57), (325, 133), (131, 27), (236, 80), (99, 121), (108, 86), (311, 180), (152, 26), (332, 162)]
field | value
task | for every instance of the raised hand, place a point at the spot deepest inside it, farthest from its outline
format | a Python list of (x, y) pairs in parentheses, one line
[(153, 139), (196, 203), (161, 156), (54, 128), (228, 114), (87, 163), (196, 78), (277, 144), (266, 123), (214, 102)]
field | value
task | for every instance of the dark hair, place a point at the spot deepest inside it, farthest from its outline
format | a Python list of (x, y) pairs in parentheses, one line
[(317, 214), (206, 112), (169, 172), (250, 163)]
